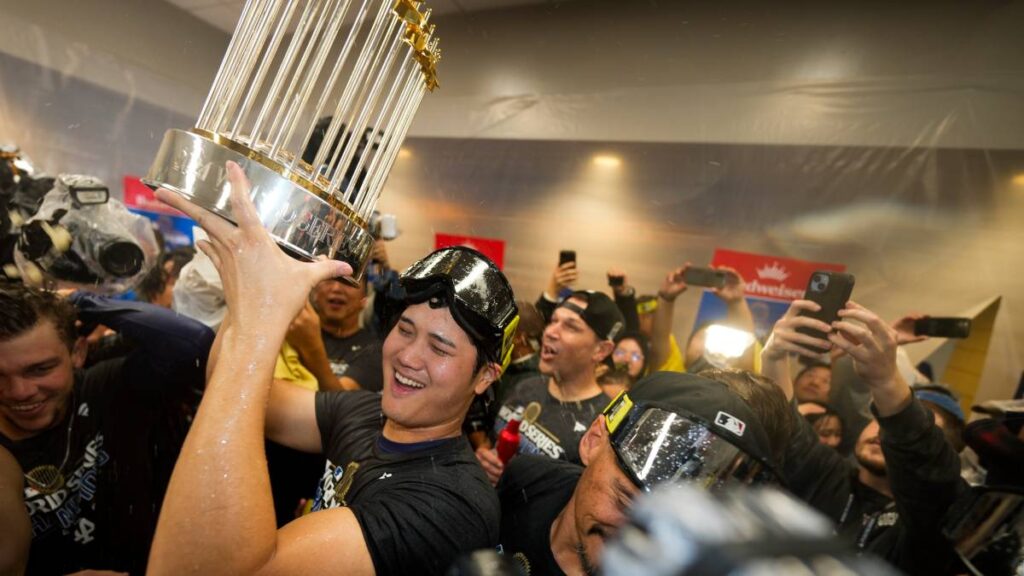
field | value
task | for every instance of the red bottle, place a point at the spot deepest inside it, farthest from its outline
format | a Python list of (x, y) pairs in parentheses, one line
[(508, 440)]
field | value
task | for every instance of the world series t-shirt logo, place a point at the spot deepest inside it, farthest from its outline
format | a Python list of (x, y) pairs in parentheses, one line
[(334, 486)]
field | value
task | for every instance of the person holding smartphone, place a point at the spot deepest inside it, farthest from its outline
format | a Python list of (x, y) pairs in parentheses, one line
[(906, 475)]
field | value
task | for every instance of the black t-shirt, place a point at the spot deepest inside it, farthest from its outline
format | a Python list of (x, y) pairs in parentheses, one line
[(123, 444), (420, 506), (533, 491), (357, 356), (127, 417), (550, 427)]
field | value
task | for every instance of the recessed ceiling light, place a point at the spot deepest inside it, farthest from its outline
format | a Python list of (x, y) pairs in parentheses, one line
[(607, 161)]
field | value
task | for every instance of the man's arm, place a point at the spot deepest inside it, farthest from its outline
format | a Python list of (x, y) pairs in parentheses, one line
[(171, 349), (923, 469), (785, 343), (625, 299), (661, 332), (304, 335), (291, 417), (564, 276), (222, 470), (15, 529), (812, 471), (737, 311)]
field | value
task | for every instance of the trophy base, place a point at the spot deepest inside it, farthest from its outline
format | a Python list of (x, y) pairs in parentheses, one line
[(303, 221)]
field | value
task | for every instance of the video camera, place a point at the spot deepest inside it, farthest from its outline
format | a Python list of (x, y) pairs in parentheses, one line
[(67, 230)]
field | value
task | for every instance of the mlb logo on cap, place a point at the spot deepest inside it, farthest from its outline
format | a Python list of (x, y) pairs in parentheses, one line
[(730, 423)]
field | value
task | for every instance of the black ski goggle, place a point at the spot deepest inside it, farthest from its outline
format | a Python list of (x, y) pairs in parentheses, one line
[(478, 294), (655, 445)]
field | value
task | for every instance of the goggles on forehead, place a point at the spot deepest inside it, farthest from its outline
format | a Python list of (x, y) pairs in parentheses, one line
[(478, 294), (655, 445)]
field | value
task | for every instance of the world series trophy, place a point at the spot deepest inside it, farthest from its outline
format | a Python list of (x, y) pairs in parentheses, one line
[(274, 96)]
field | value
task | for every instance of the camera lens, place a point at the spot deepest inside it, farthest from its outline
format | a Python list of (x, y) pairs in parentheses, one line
[(121, 258)]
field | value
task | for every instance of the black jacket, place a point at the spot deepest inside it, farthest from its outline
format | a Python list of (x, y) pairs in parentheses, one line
[(924, 476)]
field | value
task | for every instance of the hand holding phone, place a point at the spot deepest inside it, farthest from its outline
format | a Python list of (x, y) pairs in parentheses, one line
[(707, 277), (943, 327), (566, 256), (830, 291)]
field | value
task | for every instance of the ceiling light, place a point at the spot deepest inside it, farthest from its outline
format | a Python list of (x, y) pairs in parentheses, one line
[(607, 161), (1018, 180)]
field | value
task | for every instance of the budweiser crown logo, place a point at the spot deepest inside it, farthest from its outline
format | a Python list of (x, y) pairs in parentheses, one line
[(773, 272)]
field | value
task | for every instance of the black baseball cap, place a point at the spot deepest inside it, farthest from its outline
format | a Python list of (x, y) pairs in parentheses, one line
[(673, 426), (601, 313)]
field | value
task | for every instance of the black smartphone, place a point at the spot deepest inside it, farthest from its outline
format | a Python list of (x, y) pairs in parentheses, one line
[(616, 281), (943, 327), (708, 277), (831, 291), (566, 256)]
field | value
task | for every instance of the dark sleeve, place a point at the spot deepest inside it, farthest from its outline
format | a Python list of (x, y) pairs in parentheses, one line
[(423, 525), (814, 472), (924, 475), (365, 368), (339, 413), (627, 305), (545, 307), (170, 349)]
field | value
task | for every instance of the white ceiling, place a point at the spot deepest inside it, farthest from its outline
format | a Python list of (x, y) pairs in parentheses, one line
[(224, 14)]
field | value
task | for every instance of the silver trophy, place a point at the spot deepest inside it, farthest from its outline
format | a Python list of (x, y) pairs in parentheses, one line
[(315, 119)]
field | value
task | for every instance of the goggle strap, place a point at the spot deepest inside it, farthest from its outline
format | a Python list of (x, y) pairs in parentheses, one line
[(617, 412)]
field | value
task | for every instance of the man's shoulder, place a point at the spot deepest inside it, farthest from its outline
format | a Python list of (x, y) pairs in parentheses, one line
[(529, 476), (531, 388), (355, 342)]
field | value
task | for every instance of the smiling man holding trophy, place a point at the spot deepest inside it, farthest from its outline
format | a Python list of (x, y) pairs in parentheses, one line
[(402, 492)]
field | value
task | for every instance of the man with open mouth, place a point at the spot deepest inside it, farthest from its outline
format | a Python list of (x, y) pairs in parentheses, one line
[(402, 492)]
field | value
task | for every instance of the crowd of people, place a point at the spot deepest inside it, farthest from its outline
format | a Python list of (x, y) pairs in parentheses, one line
[(252, 413)]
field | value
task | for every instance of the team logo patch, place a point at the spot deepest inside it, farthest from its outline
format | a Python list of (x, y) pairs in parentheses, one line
[(730, 423)]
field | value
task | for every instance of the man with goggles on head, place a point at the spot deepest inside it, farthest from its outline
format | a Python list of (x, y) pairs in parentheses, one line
[(402, 492), (723, 429)]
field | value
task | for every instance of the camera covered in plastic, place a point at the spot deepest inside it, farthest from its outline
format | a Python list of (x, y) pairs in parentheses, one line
[(67, 231)]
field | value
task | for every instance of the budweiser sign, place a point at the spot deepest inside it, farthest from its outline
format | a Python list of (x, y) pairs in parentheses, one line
[(772, 277)]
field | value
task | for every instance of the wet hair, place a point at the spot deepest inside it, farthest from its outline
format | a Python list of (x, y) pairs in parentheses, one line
[(766, 400), (22, 308)]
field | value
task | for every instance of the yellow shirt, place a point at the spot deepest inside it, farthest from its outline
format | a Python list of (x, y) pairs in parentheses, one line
[(290, 368), (674, 362)]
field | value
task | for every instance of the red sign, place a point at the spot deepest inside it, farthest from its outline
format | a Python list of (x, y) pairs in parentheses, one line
[(490, 247), (772, 277), (138, 195)]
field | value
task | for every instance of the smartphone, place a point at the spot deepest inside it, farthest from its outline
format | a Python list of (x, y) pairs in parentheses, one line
[(943, 327), (566, 256), (709, 277), (830, 290), (616, 281)]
